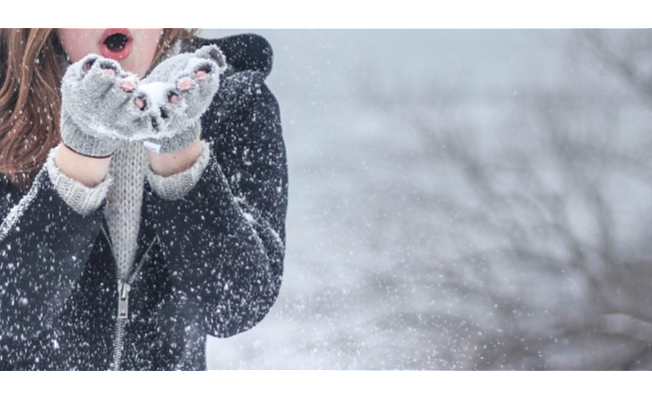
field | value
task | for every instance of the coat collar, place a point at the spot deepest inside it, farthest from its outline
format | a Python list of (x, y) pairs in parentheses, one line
[(249, 59), (244, 52)]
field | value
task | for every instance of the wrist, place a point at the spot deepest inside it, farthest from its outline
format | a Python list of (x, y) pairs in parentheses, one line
[(88, 170), (167, 164)]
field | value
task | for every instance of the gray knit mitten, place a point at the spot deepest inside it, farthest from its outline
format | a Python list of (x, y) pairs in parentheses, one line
[(98, 106), (176, 93)]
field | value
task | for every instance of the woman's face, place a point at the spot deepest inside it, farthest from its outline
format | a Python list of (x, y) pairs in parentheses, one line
[(133, 48)]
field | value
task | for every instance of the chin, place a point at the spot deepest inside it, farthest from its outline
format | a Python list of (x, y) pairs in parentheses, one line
[(139, 71)]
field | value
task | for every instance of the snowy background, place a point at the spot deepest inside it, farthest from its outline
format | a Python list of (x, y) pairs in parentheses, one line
[(460, 200)]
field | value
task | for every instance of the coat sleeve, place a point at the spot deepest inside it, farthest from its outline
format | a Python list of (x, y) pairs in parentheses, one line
[(44, 246), (224, 241)]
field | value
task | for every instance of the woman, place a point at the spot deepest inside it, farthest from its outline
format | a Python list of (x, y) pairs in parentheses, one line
[(138, 216)]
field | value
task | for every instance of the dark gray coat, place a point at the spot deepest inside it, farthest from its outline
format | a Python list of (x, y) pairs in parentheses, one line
[(210, 263)]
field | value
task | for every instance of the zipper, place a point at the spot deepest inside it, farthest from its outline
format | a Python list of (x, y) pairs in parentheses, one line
[(124, 286)]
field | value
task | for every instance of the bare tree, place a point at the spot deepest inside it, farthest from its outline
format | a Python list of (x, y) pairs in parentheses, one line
[(530, 243)]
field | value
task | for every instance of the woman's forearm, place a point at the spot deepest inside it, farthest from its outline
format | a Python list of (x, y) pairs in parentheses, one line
[(166, 164), (87, 170), (91, 171)]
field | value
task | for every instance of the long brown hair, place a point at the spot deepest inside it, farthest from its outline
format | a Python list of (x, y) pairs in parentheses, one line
[(32, 63)]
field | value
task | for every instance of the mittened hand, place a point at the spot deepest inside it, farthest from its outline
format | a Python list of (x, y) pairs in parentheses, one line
[(97, 111), (175, 95), (104, 106)]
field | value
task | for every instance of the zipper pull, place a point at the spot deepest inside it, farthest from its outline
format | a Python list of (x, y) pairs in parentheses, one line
[(123, 300)]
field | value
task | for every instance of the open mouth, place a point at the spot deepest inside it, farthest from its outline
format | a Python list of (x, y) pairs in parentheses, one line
[(116, 43)]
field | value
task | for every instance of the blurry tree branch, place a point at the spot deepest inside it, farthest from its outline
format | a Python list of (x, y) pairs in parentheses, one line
[(538, 256)]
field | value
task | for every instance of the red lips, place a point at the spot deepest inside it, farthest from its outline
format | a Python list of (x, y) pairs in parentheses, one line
[(116, 55)]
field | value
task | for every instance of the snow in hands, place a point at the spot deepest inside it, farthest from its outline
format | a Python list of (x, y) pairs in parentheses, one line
[(109, 101)]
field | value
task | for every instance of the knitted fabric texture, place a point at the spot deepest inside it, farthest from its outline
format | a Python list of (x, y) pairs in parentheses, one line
[(123, 188), (81, 198), (124, 202)]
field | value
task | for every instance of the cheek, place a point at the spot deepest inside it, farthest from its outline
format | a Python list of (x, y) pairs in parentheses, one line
[(78, 42), (149, 40)]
